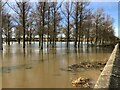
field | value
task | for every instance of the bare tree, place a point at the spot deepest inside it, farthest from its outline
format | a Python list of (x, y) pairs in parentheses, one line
[(18, 32), (48, 32), (76, 22), (41, 11), (108, 32), (23, 23), (82, 12), (67, 13), (22, 10), (87, 27), (39, 20), (31, 24), (1, 40), (98, 16), (6, 26)]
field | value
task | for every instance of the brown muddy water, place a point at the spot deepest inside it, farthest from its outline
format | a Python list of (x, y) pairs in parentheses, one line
[(33, 68)]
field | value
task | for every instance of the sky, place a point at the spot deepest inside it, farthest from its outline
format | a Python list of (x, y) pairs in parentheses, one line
[(65, 0), (110, 8)]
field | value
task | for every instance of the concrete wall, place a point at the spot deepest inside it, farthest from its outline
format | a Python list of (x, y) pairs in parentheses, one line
[(110, 76)]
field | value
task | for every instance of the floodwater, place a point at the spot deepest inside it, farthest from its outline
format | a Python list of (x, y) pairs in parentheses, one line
[(33, 68)]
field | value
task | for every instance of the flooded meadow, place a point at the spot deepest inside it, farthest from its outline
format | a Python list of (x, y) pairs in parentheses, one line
[(48, 68)]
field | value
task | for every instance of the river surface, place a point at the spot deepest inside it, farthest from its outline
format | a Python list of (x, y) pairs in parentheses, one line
[(34, 68)]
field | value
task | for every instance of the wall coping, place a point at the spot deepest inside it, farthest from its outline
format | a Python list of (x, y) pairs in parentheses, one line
[(105, 78)]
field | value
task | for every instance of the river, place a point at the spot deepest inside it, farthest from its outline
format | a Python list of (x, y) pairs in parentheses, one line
[(34, 68)]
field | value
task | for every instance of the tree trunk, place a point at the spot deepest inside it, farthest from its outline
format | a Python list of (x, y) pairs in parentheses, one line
[(27, 35), (23, 24), (48, 33), (80, 25), (43, 17), (30, 37), (8, 38), (40, 33), (1, 46), (76, 34), (8, 32), (88, 36), (68, 32), (54, 31), (96, 39), (19, 37)]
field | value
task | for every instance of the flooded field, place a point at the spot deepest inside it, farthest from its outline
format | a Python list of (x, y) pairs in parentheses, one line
[(34, 68)]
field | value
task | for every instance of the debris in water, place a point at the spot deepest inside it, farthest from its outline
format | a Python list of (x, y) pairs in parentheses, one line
[(86, 65), (82, 82), (6, 70), (28, 67)]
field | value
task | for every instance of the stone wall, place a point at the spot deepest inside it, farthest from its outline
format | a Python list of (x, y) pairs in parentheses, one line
[(110, 76)]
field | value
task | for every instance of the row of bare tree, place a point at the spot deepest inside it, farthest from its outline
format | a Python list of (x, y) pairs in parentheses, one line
[(52, 20)]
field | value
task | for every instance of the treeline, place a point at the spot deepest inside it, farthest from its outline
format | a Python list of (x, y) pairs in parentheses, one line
[(53, 21)]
